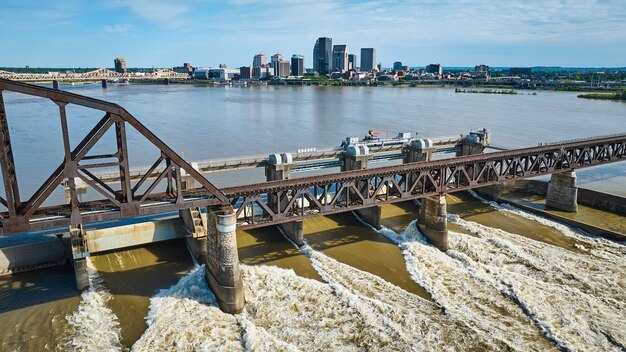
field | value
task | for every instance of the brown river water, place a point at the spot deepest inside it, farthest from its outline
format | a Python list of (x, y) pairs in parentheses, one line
[(510, 281)]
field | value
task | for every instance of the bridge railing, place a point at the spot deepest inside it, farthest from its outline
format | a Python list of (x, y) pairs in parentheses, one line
[(128, 200)]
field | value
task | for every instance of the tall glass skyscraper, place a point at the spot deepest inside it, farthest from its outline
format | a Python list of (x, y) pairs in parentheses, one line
[(368, 59), (323, 55)]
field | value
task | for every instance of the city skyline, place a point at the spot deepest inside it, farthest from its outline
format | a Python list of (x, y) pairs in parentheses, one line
[(78, 33)]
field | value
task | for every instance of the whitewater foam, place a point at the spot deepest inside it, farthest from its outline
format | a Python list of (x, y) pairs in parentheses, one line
[(94, 325), (467, 295), (575, 298)]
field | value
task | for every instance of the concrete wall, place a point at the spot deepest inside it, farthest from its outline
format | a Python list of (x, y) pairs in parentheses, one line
[(601, 200), (100, 240), (41, 252)]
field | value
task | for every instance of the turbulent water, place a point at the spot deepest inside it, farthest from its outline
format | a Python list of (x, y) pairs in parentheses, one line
[(491, 291), (94, 327)]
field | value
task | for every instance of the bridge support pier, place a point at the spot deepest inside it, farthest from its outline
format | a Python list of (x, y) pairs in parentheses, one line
[(55, 84), (494, 192), (357, 157), (474, 143), (563, 192), (433, 221), (351, 162), (371, 216), (418, 150), (294, 230), (276, 170), (222, 259)]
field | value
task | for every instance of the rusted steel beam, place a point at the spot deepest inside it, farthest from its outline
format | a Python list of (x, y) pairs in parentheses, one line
[(7, 163)]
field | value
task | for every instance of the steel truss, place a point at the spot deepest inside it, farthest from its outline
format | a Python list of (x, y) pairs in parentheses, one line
[(284, 201), (126, 201)]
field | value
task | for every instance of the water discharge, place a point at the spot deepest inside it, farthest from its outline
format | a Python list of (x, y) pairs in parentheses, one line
[(94, 327), (575, 297)]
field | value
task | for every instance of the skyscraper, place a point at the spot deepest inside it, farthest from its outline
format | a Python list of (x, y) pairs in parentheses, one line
[(352, 62), (297, 65), (368, 59), (397, 66), (120, 65), (259, 60), (280, 66), (340, 58), (322, 55)]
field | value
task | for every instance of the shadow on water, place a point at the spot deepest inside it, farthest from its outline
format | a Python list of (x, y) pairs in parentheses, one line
[(267, 246), (33, 307), (345, 239), (37, 287), (134, 275)]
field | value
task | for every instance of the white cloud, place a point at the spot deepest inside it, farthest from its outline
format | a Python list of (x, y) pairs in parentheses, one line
[(119, 28)]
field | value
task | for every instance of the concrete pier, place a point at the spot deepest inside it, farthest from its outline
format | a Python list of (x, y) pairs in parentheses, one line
[(562, 192), (494, 192), (357, 157), (418, 150), (104, 83), (222, 259), (474, 143), (371, 216), (294, 230), (55, 84), (355, 162), (433, 221), (276, 170)]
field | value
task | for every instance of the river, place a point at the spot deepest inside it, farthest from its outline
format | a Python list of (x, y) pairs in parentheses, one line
[(510, 281)]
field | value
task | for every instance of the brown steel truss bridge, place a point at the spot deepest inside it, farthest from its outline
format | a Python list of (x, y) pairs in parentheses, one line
[(259, 204)]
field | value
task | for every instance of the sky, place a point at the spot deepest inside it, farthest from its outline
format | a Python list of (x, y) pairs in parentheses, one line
[(165, 33)]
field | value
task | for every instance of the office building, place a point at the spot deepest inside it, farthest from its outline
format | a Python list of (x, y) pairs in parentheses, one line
[(279, 65), (297, 65), (120, 65), (340, 58), (259, 60), (434, 69), (352, 62), (481, 68), (274, 60), (397, 66), (245, 72), (322, 55), (368, 59)]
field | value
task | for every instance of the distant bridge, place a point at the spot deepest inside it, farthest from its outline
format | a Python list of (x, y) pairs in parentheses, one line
[(99, 74)]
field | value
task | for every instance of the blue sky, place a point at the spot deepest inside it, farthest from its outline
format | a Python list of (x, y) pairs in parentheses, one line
[(164, 33)]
